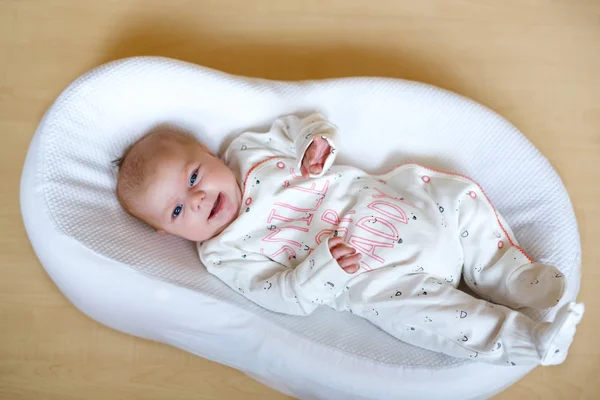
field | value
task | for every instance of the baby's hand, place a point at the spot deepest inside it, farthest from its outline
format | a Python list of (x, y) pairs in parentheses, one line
[(345, 255), (315, 157)]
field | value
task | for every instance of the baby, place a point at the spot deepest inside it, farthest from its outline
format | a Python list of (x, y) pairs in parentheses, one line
[(278, 223)]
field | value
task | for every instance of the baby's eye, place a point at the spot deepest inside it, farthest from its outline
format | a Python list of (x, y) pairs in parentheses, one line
[(193, 177), (177, 211)]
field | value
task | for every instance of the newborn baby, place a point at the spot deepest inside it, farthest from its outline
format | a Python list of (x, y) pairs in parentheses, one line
[(278, 223)]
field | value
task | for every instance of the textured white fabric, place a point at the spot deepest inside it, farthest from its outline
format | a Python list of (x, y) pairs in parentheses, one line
[(79, 231)]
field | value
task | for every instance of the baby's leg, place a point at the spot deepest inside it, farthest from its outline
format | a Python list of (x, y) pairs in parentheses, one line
[(495, 267), (424, 311)]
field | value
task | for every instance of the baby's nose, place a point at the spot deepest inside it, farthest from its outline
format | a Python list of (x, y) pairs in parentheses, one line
[(197, 200)]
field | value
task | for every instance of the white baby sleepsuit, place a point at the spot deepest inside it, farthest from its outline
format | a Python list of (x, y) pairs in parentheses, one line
[(418, 231)]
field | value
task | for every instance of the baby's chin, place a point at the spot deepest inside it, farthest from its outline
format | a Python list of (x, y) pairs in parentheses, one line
[(203, 235), (197, 237), (228, 221)]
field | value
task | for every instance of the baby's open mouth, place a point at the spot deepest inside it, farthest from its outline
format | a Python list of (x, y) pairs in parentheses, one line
[(217, 206)]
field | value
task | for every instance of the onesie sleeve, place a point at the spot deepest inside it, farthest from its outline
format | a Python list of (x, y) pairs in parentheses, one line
[(303, 131), (297, 291), (288, 137)]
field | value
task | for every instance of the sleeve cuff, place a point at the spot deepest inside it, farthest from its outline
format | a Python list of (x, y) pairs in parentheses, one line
[(318, 127)]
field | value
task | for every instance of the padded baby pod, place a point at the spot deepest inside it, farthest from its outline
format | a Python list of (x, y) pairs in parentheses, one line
[(126, 276)]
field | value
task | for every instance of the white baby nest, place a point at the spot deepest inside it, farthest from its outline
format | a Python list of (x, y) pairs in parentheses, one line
[(124, 275)]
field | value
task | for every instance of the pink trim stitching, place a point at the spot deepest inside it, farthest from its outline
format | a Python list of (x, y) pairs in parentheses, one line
[(482, 191)]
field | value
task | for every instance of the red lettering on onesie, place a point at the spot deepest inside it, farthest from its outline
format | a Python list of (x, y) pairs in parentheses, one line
[(370, 224), (301, 210), (294, 176), (382, 195), (321, 192), (341, 232), (275, 216), (368, 247), (271, 236), (313, 190), (390, 210), (291, 252), (332, 217)]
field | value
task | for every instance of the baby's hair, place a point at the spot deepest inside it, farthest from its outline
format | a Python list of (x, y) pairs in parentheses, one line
[(131, 168), (118, 162), (135, 164)]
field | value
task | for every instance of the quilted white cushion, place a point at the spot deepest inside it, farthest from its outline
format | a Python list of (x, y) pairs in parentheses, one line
[(126, 276)]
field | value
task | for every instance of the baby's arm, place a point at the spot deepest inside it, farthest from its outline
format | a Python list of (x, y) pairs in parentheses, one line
[(310, 140), (320, 278), (314, 138)]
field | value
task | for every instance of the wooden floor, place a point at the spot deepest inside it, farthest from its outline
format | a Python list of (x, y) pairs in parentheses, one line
[(537, 62)]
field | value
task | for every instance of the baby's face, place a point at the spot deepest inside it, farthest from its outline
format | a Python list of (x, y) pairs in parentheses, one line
[(190, 194)]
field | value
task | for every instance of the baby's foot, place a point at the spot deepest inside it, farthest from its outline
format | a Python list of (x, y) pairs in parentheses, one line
[(553, 339), (536, 285)]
